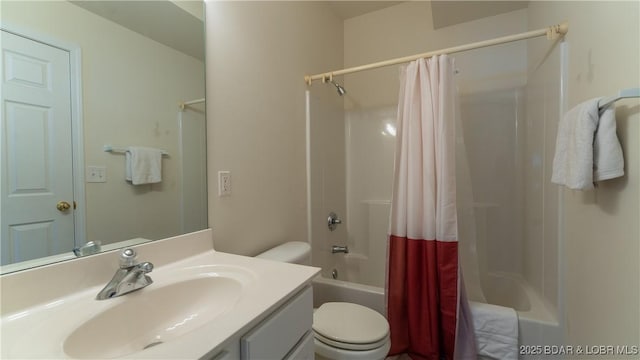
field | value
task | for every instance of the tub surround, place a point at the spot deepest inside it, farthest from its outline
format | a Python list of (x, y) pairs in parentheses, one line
[(49, 303)]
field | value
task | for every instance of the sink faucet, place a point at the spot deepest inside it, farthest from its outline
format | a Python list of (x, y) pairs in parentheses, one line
[(129, 277), (90, 248)]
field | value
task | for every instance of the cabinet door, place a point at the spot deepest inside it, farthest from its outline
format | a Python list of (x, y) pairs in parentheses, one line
[(304, 350), (230, 351), (275, 337)]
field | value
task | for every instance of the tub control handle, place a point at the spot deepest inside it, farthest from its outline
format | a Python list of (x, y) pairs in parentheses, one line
[(333, 221)]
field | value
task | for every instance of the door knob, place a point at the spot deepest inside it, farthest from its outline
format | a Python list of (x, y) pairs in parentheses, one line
[(63, 206)]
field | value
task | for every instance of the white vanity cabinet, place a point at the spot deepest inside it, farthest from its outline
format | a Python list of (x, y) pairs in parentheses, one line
[(284, 334)]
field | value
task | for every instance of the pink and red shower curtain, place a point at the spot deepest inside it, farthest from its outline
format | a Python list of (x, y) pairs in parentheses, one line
[(427, 310)]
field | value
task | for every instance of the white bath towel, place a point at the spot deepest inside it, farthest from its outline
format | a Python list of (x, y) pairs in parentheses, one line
[(143, 165), (587, 147), (496, 329)]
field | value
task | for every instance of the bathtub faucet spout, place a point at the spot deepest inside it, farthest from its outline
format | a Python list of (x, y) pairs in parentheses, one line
[(339, 249)]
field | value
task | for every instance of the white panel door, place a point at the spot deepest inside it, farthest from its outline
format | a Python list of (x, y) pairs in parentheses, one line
[(36, 146)]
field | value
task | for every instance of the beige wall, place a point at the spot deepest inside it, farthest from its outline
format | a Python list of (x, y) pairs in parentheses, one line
[(601, 231), (130, 88), (407, 29), (195, 8), (257, 56)]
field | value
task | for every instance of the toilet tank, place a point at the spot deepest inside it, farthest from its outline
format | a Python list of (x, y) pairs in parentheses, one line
[(295, 252)]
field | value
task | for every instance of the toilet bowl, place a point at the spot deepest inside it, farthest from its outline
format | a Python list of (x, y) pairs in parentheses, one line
[(350, 331), (342, 331)]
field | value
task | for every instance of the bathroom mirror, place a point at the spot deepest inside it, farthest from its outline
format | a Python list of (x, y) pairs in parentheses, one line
[(83, 77)]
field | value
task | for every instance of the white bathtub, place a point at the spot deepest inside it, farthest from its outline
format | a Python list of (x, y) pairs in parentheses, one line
[(536, 323), (327, 290), (512, 291)]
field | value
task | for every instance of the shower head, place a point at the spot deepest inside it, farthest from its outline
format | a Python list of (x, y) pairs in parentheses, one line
[(341, 90)]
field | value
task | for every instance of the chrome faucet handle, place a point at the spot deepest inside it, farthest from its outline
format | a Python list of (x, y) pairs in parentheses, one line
[(333, 221), (128, 258), (131, 276), (146, 267)]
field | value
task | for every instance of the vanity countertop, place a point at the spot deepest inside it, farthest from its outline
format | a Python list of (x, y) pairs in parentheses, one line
[(42, 328)]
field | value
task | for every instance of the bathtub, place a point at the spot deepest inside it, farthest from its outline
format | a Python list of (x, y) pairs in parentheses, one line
[(510, 290), (535, 321), (537, 324), (327, 290)]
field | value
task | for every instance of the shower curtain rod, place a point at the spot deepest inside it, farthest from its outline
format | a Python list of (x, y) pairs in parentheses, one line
[(552, 32), (186, 103)]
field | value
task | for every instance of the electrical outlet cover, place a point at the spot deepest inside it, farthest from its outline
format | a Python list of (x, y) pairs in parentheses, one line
[(224, 183)]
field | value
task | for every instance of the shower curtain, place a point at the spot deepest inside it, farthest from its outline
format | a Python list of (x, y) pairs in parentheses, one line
[(426, 305)]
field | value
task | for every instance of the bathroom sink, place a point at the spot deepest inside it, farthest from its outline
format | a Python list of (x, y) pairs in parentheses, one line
[(199, 302), (155, 315)]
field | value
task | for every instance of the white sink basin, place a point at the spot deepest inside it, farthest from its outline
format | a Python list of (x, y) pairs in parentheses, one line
[(158, 313)]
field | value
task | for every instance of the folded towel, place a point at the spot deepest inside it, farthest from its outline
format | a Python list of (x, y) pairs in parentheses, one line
[(143, 165), (127, 165), (608, 162), (587, 148), (496, 329)]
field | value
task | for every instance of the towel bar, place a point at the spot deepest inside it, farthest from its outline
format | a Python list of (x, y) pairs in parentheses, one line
[(622, 94), (109, 148)]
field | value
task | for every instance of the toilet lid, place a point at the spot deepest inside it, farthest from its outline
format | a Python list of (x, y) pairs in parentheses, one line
[(350, 346), (349, 323)]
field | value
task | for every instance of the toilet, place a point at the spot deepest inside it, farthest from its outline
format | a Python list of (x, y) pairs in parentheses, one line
[(341, 330)]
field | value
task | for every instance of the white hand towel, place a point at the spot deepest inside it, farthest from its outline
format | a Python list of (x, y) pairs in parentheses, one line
[(496, 329), (608, 162), (127, 165), (587, 148), (143, 165)]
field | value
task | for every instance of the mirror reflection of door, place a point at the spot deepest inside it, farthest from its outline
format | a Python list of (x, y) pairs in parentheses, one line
[(37, 174)]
